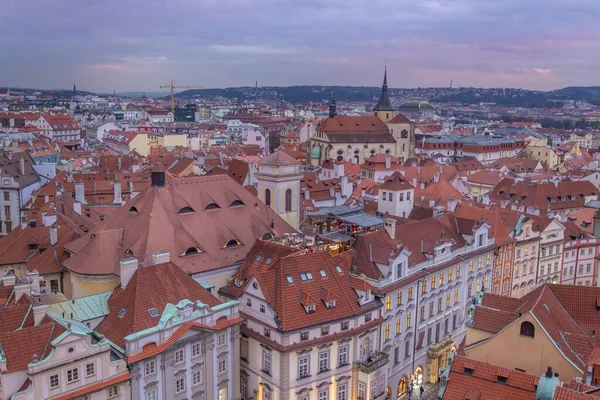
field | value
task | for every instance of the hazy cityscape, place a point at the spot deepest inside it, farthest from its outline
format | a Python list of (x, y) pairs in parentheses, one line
[(272, 200)]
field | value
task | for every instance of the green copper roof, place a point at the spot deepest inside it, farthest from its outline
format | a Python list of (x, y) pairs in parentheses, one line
[(83, 308)]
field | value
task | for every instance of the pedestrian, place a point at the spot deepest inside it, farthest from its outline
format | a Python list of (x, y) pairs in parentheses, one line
[(421, 390)]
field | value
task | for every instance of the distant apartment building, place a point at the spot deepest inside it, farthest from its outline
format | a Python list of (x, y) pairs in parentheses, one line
[(59, 127), (483, 148)]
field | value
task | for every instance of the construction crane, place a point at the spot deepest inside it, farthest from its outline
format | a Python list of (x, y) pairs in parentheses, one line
[(172, 86)]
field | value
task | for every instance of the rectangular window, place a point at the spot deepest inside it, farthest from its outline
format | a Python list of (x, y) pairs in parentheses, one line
[(362, 391), (424, 286), (196, 349), (407, 196), (398, 270), (197, 377), (458, 271), (441, 278), (54, 381), (470, 265), (455, 296), (325, 330), (401, 196), (391, 196), (113, 391), (244, 388), (410, 293), (479, 263), (399, 298), (433, 282), (221, 339), (302, 367), (408, 320), (323, 361), (488, 259), (149, 367), (266, 367), (90, 369), (180, 385), (383, 194), (387, 332), (447, 299), (342, 392), (303, 336), (449, 275), (72, 375), (342, 356), (151, 395), (344, 326), (6, 196), (222, 366), (422, 313), (430, 308), (388, 303), (179, 356), (398, 325), (407, 349), (439, 300), (324, 394)]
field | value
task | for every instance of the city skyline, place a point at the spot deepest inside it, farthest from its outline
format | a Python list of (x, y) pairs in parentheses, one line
[(130, 47)]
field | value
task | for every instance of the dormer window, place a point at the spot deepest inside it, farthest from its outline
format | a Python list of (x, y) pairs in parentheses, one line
[(232, 243), (133, 210), (186, 210), (237, 282), (211, 206), (330, 304), (267, 236), (338, 269), (310, 309), (236, 203), (191, 251), (122, 313)]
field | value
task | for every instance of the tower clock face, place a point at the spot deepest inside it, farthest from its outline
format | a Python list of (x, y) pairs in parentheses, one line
[(404, 134)]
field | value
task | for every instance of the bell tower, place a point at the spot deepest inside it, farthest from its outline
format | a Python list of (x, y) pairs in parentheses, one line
[(279, 179), (384, 109)]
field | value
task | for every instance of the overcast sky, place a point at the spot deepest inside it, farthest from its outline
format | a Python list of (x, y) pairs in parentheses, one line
[(126, 45)]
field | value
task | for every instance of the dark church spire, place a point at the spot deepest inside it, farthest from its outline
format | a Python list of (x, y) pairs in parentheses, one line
[(74, 89), (384, 103), (332, 106)]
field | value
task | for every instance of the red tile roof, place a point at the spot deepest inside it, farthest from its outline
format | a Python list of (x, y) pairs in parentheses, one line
[(142, 293), (103, 384)]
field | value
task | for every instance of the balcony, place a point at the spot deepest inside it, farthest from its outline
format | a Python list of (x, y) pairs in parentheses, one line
[(373, 363)]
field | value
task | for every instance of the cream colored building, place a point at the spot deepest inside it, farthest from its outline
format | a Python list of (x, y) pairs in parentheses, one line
[(546, 155), (278, 180)]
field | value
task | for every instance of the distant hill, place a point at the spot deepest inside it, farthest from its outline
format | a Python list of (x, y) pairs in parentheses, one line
[(142, 94)]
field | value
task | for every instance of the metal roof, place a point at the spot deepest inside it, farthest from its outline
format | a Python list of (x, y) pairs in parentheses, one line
[(83, 308), (351, 214), (335, 236)]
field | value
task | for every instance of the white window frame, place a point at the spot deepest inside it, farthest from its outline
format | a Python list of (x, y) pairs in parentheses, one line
[(149, 365), (324, 361), (221, 339), (343, 351), (267, 361), (197, 377), (150, 395), (73, 375), (57, 376), (87, 369), (303, 367), (196, 349), (113, 391), (179, 356), (177, 381), (222, 366)]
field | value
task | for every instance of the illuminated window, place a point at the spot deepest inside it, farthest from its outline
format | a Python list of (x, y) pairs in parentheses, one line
[(408, 320), (488, 259), (458, 271), (430, 308), (441, 278), (422, 313), (455, 296), (433, 282), (479, 263), (478, 287), (387, 331), (410, 293), (449, 275), (471, 266), (424, 286), (486, 280), (397, 326), (469, 289), (399, 299), (388, 303), (447, 300)]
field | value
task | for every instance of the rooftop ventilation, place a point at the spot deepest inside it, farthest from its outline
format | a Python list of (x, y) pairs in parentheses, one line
[(153, 312), (122, 313), (133, 210), (233, 243)]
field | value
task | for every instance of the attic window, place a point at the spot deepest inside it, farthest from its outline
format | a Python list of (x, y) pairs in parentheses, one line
[(290, 279), (129, 253), (153, 312), (186, 210), (469, 371), (266, 236), (212, 206), (311, 309), (258, 258), (502, 380), (338, 269), (268, 261), (133, 210), (236, 203), (330, 304), (122, 313), (33, 246), (323, 273), (191, 251), (232, 243)]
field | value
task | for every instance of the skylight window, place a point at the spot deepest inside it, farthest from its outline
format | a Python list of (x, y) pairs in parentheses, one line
[(303, 276), (122, 313), (309, 275), (153, 312), (258, 258), (323, 273), (338, 269), (290, 279), (268, 261)]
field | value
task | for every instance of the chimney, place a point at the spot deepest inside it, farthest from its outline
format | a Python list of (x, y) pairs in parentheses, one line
[(48, 219), (117, 190), (77, 207), (9, 278), (39, 312), (431, 203), (390, 227), (158, 175), (127, 267), (22, 166), (53, 235), (160, 257), (331, 192), (23, 223), (436, 178), (120, 163), (388, 161), (306, 194), (413, 182), (80, 192)]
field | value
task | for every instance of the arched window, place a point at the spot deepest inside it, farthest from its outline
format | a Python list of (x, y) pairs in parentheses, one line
[(191, 251), (236, 203), (232, 243), (527, 329), (268, 197), (212, 206), (133, 210), (288, 200), (186, 210), (267, 236)]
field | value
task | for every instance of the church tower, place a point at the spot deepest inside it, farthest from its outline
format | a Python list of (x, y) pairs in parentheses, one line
[(279, 179), (384, 109)]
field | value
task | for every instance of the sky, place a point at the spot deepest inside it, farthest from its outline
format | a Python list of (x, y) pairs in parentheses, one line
[(138, 45)]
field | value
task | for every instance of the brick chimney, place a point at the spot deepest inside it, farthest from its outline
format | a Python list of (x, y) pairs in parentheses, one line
[(127, 267), (161, 257)]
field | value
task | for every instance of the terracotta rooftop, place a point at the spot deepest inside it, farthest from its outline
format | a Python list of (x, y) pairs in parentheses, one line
[(279, 158)]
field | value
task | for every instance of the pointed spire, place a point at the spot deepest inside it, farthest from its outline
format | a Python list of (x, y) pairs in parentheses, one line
[(384, 103)]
